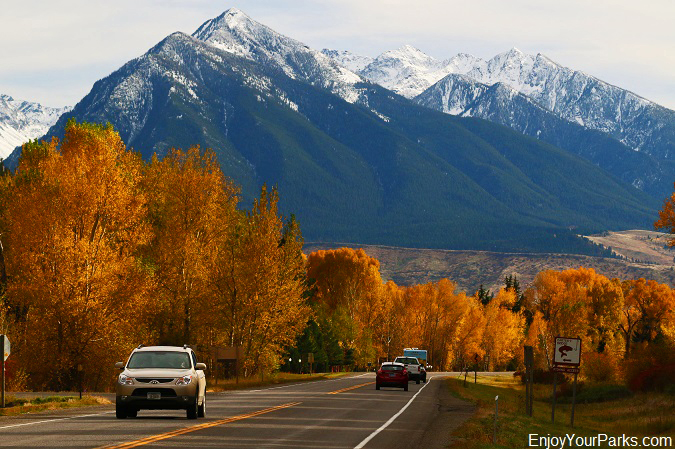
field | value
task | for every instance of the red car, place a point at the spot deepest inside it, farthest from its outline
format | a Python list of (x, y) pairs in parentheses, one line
[(392, 374)]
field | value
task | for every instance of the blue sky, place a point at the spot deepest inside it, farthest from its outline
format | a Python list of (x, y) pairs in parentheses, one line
[(53, 52)]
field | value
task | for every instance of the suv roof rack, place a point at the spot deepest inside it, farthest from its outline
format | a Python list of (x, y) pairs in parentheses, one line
[(139, 346)]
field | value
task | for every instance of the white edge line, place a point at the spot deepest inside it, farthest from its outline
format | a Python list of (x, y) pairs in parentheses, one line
[(52, 420), (391, 420)]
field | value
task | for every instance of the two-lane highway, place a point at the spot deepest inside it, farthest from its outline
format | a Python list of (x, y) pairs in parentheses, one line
[(332, 414)]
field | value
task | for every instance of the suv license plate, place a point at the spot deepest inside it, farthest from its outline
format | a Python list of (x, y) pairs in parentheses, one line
[(154, 395)]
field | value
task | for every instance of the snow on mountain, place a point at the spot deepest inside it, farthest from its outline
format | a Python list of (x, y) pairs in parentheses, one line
[(345, 58), (570, 94), (407, 71), (21, 121), (236, 33)]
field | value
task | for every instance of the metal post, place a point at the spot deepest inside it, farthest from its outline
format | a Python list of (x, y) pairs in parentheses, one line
[(555, 379), (2, 362), (531, 390), (494, 434), (79, 375), (574, 398), (527, 390), (236, 364)]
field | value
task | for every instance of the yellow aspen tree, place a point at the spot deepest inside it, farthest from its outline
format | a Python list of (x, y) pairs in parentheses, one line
[(647, 311), (192, 208), (346, 280), (259, 285), (504, 329), (469, 334), (75, 220)]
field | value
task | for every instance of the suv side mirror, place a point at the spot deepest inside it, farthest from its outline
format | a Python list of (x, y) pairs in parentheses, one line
[(200, 366), (119, 365)]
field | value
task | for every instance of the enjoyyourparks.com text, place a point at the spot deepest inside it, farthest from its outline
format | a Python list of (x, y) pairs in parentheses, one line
[(601, 440)]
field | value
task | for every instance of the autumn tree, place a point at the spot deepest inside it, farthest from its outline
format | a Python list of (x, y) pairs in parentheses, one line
[(666, 219), (192, 207), (258, 285), (74, 219), (348, 285), (504, 328), (648, 311), (392, 326)]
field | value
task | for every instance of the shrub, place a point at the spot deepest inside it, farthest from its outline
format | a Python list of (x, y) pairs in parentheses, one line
[(542, 376), (600, 367), (650, 368)]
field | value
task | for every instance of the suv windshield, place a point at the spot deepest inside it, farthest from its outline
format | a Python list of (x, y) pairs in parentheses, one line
[(159, 359), (407, 360)]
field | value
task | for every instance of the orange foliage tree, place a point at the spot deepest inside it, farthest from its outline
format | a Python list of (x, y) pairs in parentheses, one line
[(504, 329), (192, 207), (348, 285), (648, 310), (74, 217), (258, 286)]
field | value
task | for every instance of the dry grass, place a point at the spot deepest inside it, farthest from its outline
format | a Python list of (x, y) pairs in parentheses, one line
[(17, 406), (642, 415)]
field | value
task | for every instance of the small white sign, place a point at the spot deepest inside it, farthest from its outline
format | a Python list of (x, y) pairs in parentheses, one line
[(6, 349), (567, 351)]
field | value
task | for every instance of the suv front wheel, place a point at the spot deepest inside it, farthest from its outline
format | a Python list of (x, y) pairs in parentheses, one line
[(120, 411), (193, 409)]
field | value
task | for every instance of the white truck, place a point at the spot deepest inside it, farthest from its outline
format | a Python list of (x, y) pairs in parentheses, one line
[(415, 369)]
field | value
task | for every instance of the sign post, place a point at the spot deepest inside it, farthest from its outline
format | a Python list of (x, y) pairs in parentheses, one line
[(4, 345), (566, 359), (310, 360)]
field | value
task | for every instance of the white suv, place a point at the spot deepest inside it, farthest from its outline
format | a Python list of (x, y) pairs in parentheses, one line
[(416, 371), (161, 377)]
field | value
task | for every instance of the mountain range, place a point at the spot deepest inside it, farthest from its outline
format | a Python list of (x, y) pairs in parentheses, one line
[(358, 159), (538, 97), (21, 121)]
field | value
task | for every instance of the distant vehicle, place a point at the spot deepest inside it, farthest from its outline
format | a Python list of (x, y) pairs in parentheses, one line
[(392, 374), (421, 354), (160, 378), (415, 369)]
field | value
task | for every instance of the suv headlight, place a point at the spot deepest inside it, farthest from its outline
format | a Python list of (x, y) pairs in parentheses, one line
[(185, 380), (125, 380)]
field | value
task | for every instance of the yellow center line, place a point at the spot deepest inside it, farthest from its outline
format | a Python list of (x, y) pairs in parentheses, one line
[(174, 433), (351, 388)]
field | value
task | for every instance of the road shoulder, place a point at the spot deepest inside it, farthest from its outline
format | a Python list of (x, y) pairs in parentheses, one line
[(451, 413)]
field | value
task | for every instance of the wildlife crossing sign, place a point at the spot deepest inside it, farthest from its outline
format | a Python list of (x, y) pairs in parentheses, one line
[(567, 351)]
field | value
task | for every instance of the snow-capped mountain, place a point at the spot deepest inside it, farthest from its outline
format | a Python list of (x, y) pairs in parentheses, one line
[(352, 160), (570, 94), (21, 121), (236, 33)]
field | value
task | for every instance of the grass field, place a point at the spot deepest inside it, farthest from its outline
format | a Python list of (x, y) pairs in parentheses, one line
[(650, 415)]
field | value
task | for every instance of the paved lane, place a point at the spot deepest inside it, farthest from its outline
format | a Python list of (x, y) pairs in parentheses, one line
[(339, 413)]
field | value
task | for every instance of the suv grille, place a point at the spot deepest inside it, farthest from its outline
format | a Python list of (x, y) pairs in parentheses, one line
[(166, 392), (161, 380)]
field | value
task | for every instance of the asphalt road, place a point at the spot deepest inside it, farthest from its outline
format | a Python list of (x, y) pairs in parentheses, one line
[(331, 414)]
